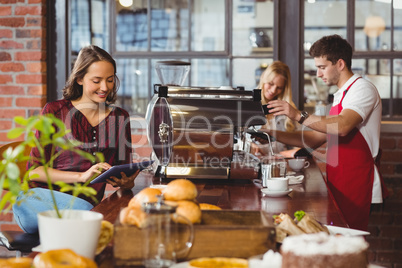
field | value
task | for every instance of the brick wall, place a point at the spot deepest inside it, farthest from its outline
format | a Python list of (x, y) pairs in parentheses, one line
[(385, 225), (22, 60)]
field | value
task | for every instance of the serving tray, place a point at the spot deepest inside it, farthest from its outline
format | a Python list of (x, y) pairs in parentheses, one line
[(222, 233)]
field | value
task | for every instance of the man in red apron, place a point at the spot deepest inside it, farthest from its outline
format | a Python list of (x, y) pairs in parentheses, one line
[(352, 131)]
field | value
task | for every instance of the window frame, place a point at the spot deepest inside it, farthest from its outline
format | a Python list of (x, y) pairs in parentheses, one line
[(59, 49)]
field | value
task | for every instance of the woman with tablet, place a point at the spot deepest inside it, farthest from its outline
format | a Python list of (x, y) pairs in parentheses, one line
[(86, 109)]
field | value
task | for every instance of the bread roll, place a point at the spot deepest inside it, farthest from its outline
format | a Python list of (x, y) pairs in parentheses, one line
[(218, 262), (189, 210), (16, 262), (205, 206), (105, 236), (146, 195), (133, 216), (62, 258), (180, 189)]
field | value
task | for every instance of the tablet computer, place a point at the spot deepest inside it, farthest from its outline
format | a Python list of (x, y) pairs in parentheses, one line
[(128, 169)]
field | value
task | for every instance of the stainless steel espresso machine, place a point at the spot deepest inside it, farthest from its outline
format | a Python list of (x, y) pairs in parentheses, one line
[(198, 132)]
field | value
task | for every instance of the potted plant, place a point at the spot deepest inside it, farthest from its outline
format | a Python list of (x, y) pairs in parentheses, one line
[(52, 132)]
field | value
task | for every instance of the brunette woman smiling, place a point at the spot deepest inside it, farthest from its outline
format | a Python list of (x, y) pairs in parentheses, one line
[(87, 110)]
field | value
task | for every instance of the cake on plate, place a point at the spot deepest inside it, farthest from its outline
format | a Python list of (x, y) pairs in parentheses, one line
[(323, 250)]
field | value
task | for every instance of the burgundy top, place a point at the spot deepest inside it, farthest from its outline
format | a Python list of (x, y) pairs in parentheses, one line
[(112, 137)]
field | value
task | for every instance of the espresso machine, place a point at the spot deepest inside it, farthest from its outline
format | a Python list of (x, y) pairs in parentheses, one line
[(198, 132)]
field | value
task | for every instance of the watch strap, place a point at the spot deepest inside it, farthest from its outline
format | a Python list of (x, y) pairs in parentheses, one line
[(303, 116)]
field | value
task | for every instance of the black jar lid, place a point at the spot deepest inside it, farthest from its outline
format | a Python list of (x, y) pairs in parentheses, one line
[(159, 207), (173, 62)]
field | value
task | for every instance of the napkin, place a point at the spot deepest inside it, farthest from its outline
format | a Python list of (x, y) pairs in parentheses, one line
[(295, 179)]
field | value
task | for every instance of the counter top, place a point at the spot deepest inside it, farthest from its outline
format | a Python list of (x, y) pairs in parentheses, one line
[(311, 196)]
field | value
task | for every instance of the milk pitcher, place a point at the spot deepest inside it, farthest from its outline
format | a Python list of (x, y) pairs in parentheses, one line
[(272, 166), (166, 240)]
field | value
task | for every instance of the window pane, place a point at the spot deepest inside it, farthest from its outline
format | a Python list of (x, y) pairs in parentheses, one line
[(378, 72), (169, 25), (134, 91), (131, 26), (252, 27), (209, 72), (89, 24), (324, 18), (321, 18), (316, 93), (208, 25), (373, 21), (247, 72), (397, 86), (398, 25)]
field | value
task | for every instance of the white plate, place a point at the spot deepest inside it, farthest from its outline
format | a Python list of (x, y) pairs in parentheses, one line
[(180, 265), (267, 192), (158, 186), (38, 248), (345, 231)]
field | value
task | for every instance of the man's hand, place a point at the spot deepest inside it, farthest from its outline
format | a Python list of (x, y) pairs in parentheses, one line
[(279, 107)]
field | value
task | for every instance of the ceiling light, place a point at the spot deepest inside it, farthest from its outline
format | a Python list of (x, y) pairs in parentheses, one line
[(126, 3)]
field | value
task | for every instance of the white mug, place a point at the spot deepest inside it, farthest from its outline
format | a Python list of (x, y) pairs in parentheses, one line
[(298, 164), (278, 184)]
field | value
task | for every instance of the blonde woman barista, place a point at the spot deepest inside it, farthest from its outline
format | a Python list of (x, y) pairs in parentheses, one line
[(275, 84)]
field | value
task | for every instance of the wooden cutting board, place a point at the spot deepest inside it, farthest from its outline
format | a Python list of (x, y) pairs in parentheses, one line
[(222, 233)]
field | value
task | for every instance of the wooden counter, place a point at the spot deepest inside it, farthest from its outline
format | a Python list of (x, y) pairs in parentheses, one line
[(311, 196)]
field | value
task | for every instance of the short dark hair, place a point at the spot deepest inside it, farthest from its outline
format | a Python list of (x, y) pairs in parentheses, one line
[(87, 56), (333, 47)]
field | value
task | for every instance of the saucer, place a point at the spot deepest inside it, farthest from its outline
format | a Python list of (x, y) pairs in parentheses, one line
[(158, 186), (38, 248), (267, 192)]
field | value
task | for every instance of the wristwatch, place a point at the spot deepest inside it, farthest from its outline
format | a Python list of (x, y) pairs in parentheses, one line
[(303, 116)]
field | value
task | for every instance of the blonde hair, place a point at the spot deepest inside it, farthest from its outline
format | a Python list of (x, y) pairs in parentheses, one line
[(278, 68)]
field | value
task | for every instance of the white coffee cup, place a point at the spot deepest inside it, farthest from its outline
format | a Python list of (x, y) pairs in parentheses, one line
[(278, 184), (298, 164)]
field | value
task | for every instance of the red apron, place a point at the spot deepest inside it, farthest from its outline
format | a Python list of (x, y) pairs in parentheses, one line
[(350, 173)]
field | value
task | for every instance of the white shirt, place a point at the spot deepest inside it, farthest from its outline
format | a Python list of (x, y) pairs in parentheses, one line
[(364, 99)]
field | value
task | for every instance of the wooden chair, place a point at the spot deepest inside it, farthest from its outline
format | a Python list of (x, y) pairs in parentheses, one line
[(21, 165), (18, 241)]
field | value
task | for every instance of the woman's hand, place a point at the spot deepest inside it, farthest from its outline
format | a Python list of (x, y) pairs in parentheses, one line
[(258, 149), (94, 170), (278, 107), (126, 183)]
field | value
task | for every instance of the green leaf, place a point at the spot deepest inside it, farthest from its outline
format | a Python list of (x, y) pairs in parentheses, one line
[(7, 198), (20, 120), (15, 133), (87, 155), (299, 215), (12, 171), (39, 131)]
